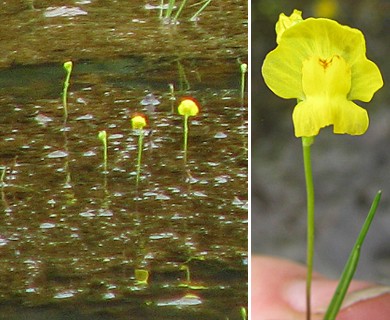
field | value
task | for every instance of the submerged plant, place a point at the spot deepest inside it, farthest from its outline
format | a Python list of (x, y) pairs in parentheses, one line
[(68, 68), (187, 108), (138, 122), (323, 65), (188, 283), (184, 84), (103, 138)]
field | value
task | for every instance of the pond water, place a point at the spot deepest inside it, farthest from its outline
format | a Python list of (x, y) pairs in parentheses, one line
[(73, 236)]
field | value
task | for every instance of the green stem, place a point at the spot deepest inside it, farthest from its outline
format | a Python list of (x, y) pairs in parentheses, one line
[(161, 9), (306, 144), (65, 92), (244, 69), (183, 3), (185, 137), (195, 16), (105, 156), (140, 146), (170, 8)]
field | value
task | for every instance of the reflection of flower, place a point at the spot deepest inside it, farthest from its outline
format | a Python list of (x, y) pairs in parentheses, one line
[(138, 121), (323, 64)]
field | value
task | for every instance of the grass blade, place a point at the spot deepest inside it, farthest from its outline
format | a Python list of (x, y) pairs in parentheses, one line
[(351, 265)]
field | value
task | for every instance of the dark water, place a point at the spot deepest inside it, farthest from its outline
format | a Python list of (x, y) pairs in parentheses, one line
[(71, 237)]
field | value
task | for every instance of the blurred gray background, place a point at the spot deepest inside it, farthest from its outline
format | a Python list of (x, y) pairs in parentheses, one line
[(348, 171)]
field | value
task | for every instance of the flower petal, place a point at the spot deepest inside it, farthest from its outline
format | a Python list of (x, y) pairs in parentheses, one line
[(366, 80), (281, 74), (324, 38), (350, 119), (285, 22), (312, 115)]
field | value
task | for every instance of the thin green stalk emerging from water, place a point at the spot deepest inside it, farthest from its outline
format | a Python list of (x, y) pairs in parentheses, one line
[(195, 16), (183, 3), (68, 68), (103, 138), (187, 108), (185, 142), (306, 145), (138, 122), (168, 13), (244, 70)]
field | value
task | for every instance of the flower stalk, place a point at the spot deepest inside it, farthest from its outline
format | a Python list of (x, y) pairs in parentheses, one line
[(187, 108), (68, 66), (138, 122), (306, 146)]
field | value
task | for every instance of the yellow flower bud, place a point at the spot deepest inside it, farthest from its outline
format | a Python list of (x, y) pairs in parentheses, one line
[(68, 66), (188, 107), (138, 121), (102, 135)]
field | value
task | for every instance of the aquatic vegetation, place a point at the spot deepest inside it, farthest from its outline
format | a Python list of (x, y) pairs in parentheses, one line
[(108, 228), (184, 84), (244, 70), (187, 108), (244, 314), (2, 176), (138, 122), (172, 4), (30, 4), (188, 283), (182, 5), (197, 13), (68, 68), (323, 65), (172, 97), (103, 138)]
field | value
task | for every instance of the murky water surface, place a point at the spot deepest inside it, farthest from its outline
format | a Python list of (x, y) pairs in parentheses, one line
[(71, 236)]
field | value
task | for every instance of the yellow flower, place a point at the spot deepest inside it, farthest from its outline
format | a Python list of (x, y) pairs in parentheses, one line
[(138, 121), (323, 64), (188, 107)]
